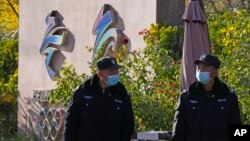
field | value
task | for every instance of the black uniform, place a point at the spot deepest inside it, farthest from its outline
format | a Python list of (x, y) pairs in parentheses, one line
[(99, 115), (205, 116)]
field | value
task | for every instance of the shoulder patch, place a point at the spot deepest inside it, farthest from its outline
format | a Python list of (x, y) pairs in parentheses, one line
[(193, 101), (222, 100), (87, 97), (118, 101)]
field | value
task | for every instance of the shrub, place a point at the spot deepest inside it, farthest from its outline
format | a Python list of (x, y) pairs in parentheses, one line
[(66, 84), (229, 34), (8, 87), (152, 77)]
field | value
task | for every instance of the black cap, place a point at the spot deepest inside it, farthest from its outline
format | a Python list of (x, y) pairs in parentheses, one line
[(209, 60), (107, 63)]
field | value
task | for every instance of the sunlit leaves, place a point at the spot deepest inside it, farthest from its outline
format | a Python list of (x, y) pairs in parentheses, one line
[(229, 34), (9, 15), (8, 66)]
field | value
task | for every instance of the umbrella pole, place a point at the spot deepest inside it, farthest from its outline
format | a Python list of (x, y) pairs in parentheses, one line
[(202, 6)]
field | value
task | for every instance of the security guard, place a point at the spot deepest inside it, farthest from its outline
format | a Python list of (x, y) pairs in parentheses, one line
[(101, 108), (207, 108)]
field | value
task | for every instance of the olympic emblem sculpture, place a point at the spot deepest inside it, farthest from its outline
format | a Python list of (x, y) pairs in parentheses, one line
[(55, 36)]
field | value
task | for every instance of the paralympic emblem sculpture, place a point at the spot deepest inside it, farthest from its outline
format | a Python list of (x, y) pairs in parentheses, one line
[(108, 31)]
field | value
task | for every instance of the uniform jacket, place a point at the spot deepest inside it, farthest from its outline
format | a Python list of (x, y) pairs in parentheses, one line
[(95, 114), (203, 116)]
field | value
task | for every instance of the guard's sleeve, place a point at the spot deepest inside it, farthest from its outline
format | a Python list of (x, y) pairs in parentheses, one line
[(234, 110), (127, 120), (179, 125), (73, 118)]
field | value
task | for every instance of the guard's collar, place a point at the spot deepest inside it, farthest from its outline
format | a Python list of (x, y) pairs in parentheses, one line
[(218, 88)]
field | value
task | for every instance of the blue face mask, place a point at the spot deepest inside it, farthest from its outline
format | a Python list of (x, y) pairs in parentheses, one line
[(112, 80), (203, 77)]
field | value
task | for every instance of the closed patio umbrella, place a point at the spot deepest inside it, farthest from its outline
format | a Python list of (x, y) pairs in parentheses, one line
[(195, 43)]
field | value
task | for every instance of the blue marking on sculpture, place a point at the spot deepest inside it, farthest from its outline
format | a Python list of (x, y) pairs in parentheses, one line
[(50, 52), (54, 40)]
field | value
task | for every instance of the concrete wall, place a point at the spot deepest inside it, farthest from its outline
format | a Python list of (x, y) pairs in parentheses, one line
[(79, 17)]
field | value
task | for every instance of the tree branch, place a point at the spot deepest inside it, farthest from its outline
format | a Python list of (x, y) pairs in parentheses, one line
[(202, 6), (13, 8)]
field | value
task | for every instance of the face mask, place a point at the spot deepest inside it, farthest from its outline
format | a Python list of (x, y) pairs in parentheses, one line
[(203, 77), (112, 80)]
